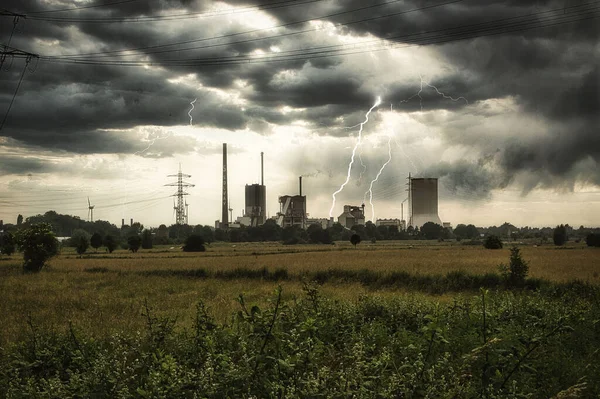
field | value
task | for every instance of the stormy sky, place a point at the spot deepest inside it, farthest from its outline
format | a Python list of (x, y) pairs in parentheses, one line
[(500, 100)]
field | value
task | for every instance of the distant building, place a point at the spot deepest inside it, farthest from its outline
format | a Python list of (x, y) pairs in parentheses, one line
[(323, 222), (292, 211), (423, 200), (388, 222), (353, 215)]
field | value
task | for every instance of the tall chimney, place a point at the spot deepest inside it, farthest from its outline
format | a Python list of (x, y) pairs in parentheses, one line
[(262, 169), (300, 180), (122, 222), (225, 208), (131, 220)]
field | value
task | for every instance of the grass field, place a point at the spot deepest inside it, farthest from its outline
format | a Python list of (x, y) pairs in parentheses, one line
[(104, 292), (392, 319)]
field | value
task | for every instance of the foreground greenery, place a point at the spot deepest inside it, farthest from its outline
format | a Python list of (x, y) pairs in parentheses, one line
[(501, 344)]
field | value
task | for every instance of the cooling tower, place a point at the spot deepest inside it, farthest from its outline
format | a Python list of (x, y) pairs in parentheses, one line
[(423, 201), (256, 203)]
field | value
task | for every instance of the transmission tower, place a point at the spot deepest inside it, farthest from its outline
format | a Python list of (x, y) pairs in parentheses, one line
[(180, 208)]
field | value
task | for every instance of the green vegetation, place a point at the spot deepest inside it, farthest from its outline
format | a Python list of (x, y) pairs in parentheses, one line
[(194, 243), (7, 244), (390, 319), (497, 345), (134, 242), (559, 235), (492, 242), (38, 245)]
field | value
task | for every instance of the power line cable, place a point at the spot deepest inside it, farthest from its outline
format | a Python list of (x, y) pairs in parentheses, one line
[(238, 33), (82, 7), (426, 38), (180, 16)]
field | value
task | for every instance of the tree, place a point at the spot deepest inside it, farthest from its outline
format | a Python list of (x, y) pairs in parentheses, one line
[(432, 231), (110, 243), (96, 241), (194, 243), (147, 239), (592, 240), (492, 242), (559, 236), (355, 239), (517, 270), (134, 243), (80, 239), (19, 220), (39, 245), (7, 244)]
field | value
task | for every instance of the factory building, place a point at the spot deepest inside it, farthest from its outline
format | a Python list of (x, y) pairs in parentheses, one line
[(353, 215), (256, 204), (292, 210), (423, 201), (323, 222)]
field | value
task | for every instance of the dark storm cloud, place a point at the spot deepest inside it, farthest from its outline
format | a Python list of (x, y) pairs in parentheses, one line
[(551, 73)]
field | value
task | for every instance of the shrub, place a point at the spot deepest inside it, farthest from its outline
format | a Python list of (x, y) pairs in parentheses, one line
[(7, 244), (592, 240), (80, 239), (559, 236), (110, 243), (492, 242), (38, 244), (96, 241), (134, 242), (147, 239), (355, 239), (194, 243), (516, 272)]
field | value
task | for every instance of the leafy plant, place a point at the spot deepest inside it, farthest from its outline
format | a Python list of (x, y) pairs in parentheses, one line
[(355, 239), (96, 241), (516, 271), (7, 243), (39, 245), (110, 243), (134, 242), (492, 242), (194, 243)]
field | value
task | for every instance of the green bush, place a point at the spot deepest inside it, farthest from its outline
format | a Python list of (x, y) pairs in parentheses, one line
[(110, 243), (194, 243), (134, 242), (38, 244), (492, 242), (516, 271), (7, 243)]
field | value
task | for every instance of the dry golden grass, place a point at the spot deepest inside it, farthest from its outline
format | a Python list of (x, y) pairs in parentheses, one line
[(101, 303)]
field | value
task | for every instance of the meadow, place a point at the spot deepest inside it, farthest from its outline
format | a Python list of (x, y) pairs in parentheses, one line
[(101, 296)]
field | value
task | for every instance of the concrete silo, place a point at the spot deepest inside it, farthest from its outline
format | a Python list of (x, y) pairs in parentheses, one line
[(256, 199), (423, 201)]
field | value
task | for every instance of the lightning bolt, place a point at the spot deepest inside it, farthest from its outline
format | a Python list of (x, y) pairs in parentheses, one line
[(362, 172), (152, 143), (370, 191), (190, 112), (358, 142)]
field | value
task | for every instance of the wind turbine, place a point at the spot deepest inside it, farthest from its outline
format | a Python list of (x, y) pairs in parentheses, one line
[(90, 211)]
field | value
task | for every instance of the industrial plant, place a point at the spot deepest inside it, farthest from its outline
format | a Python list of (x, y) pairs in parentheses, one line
[(422, 205)]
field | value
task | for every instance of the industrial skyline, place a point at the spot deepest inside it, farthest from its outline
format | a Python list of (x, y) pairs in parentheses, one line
[(499, 102)]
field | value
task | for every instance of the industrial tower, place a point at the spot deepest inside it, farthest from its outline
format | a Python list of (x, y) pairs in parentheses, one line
[(181, 207)]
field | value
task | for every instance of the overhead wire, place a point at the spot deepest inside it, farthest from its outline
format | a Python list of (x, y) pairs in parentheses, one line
[(426, 38), (82, 7), (179, 16), (288, 24)]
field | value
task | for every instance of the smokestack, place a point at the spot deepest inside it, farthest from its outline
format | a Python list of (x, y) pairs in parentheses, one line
[(122, 222), (131, 220), (300, 179), (225, 209), (262, 169)]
